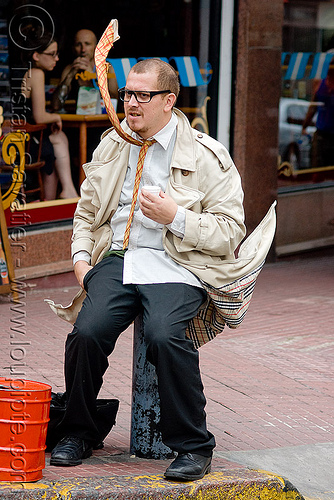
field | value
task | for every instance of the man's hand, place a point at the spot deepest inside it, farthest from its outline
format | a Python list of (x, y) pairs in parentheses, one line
[(80, 64), (161, 209), (57, 125), (81, 268)]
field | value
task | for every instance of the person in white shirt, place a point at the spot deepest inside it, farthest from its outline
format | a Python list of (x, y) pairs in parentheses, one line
[(196, 218)]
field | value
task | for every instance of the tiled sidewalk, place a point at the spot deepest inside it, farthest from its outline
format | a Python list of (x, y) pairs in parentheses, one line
[(269, 384)]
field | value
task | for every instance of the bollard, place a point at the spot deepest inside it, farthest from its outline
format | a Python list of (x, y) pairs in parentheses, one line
[(145, 439)]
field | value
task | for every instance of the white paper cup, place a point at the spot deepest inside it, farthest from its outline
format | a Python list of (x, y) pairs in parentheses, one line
[(152, 190)]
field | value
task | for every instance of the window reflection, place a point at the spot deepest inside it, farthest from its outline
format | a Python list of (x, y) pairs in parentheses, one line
[(306, 112)]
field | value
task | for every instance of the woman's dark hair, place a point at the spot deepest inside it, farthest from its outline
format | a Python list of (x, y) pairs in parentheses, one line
[(35, 42)]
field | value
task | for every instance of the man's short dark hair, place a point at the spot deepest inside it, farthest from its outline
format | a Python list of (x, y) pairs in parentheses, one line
[(166, 75)]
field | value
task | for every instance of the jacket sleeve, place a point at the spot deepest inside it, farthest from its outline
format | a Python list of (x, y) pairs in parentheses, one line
[(84, 216), (83, 219), (219, 228)]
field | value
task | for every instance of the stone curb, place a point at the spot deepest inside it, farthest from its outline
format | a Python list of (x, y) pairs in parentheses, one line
[(240, 484)]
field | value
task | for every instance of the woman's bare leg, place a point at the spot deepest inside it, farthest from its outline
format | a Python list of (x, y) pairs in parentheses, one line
[(50, 183), (63, 164)]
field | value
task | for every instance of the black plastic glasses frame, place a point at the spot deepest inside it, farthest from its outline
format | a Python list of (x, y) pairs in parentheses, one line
[(54, 55), (139, 94)]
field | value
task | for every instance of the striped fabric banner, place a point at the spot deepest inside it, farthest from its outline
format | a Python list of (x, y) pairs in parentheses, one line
[(297, 65), (122, 68), (307, 65), (321, 64), (189, 71), (187, 66)]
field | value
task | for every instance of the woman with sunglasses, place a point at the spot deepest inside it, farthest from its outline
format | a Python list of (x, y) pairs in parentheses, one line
[(55, 149)]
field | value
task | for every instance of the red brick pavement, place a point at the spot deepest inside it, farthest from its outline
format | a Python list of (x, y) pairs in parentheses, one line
[(270, 383)]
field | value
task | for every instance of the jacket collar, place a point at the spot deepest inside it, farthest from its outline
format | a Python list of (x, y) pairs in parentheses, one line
[(184, 157)]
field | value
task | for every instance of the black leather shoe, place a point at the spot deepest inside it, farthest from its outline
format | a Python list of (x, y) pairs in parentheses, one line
[(70, 451), (188, 466)]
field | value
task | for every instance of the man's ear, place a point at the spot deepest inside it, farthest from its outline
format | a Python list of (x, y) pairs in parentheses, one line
[(170, 101), (35, 56)]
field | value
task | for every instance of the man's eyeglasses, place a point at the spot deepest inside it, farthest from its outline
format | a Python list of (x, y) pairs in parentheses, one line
[(140, 95), (52, 54)]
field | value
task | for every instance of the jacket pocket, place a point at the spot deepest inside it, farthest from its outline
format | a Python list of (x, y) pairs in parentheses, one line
[(185, 196)]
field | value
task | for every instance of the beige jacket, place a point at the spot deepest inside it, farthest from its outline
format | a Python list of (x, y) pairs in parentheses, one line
[(203, 179)]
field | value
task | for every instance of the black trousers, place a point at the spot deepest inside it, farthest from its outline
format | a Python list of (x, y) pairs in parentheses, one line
[(109, 308)]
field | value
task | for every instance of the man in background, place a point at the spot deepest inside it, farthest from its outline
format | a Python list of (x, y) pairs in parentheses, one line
[(68, 89), (322, 152), (70, 80)]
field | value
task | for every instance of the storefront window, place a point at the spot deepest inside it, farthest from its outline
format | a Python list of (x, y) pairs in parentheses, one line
[(306, 114), (184, 33)]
